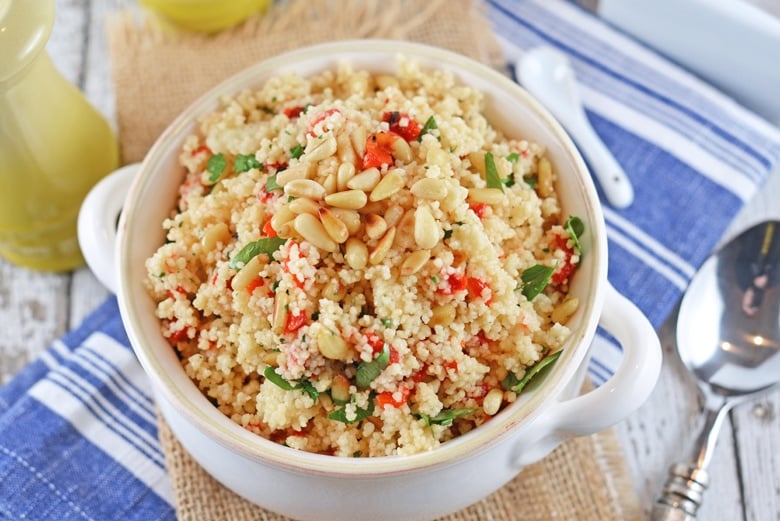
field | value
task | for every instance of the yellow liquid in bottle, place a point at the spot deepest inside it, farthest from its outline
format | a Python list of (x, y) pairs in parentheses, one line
[(54, 146), (206, 16)]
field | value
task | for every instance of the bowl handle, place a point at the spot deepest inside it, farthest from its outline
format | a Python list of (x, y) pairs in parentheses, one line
[(619, 396), (98, 220)]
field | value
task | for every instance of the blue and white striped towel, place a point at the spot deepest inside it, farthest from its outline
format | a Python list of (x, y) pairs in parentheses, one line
[(77, 427)]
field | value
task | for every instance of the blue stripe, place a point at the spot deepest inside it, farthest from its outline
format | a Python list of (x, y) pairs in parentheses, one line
[(609, 371), (153, 453), (118, 377), (740, 144), (58, 475), (121, 401)]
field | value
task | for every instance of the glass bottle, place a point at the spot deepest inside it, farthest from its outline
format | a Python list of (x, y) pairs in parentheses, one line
[(54, 146)]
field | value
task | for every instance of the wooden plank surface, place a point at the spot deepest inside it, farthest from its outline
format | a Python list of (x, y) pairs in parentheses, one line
[(36, 308)]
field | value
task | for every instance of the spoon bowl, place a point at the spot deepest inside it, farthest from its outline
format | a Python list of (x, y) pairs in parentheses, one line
[(728, 337)]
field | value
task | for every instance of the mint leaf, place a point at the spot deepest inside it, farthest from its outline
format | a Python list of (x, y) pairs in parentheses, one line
[(271, 184), (367, 371), (267, 245), (445, 417), (511, 382), (535, 279), (303, 385), (340, 415), (296, 151), (514, 156), (215, 166), (491, 173)]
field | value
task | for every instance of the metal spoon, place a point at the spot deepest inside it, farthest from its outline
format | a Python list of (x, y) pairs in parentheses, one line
[(728, 337), (548, 75)]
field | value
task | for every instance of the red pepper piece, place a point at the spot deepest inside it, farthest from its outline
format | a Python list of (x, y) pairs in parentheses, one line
[(561, 275), (479, 209), (254, 284), (387, 399), (476, 288), (378, 150), (375, 341), (319, 118), (295, 321), (268, 230), (410, 131), (201, 149), (293, 112)]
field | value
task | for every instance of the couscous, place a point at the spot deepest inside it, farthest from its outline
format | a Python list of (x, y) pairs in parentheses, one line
[(361, 265)]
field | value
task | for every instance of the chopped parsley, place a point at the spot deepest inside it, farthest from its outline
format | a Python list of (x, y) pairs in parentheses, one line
[(575, 227), (445, 417), (271, 184), (266, 245), (514, 156), (340, 415), (535, 279), (296, 151), (430, 124), (387, 322), (245, 163), (215, 166), (512, 383), (367, 371), (303, 385), (491, 173)]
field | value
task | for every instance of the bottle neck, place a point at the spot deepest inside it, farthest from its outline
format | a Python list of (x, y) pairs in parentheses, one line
[(24, 31)]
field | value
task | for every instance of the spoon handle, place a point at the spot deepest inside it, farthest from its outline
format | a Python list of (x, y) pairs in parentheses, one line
[(683, 492)]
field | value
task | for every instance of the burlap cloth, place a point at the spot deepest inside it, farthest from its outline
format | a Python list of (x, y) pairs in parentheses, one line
[(157, 74)]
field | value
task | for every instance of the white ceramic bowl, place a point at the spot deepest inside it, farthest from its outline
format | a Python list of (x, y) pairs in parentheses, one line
[(420, 487)]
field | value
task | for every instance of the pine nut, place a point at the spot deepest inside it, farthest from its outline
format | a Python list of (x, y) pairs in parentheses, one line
[(477, 160), (283, 216), (248, 273), (299, 171), (401, 150), (331, 345), (344, 150), (280, 312), (303, 205), (330, 184), (563, 311), (381, 249), (406, 230), (339, 389), (345, 172), (428, 188), (393, 214), (358, 139), (311, 230), (375, 226), (443, 315), (334, 227), (349, 217), (426, 230), (215, 234), (356, 254), (271, 358), (390, 184), (414, 262), (348, 199), (544, 178), (492, 401), (319, 148), (365, 180), (491, 196), (305, 188)]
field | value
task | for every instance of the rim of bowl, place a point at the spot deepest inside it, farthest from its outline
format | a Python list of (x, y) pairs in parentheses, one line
[(200, 412)]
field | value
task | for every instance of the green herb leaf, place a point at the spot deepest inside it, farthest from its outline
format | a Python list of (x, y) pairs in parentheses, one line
[(509, 180), (445, 417), (531, 181), (215, 166), (387, 322), (514, 156), (447, 234), (303, 385), (491, 173), (340, 415), (429, 125), (296, 151), (244, 163), (367, 371), (575, 228), (266, 245), (511, 382), (275, 378), (271, 184), (535, 279)]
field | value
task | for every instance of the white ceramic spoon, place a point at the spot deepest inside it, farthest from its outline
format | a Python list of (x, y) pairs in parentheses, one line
[(547, 74)]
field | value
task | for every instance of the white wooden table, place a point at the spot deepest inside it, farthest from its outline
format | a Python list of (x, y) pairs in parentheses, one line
[(36, 308)]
